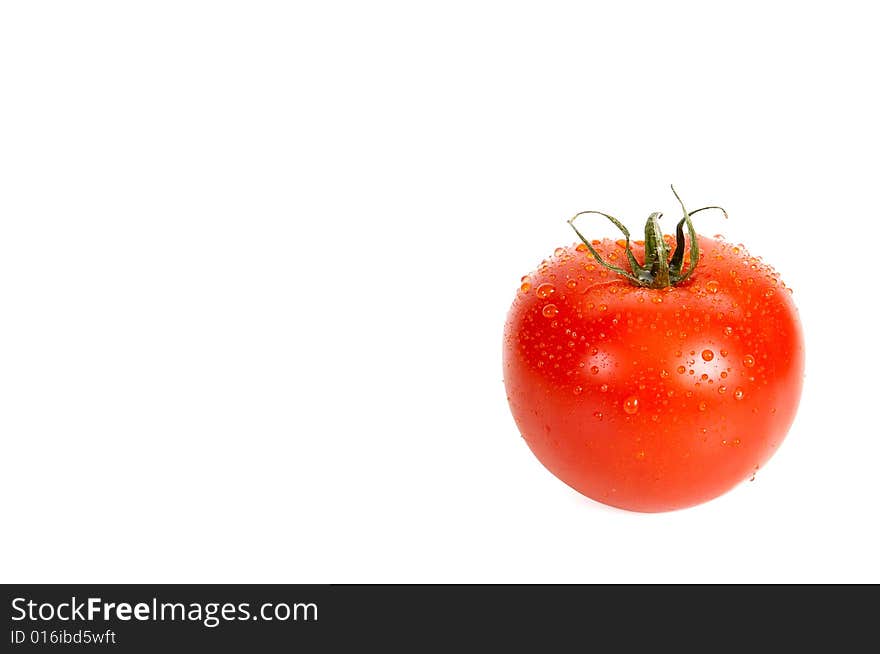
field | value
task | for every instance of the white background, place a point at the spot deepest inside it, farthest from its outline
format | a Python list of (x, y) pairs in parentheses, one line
[(255, 260)]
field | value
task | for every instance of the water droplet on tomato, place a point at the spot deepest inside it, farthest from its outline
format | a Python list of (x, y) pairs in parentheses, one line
[(722, 389), (657, 299), (712, 286), (769, 292), (702, 406), (738, 393), (545, 290), (631, 404), (708, 355), (526, 287), (664, 374), (594, 370), (748, 361), (598, 414), (680, 370), (559, 252), (578, 390), (549, 310), (604, 388), (571, 283)]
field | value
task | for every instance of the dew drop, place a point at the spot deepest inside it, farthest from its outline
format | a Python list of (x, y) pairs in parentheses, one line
[(604, 388), (549, 310), (769, 292), (631, 404), (594, 370), (578, 390), (728, 331), (712, 286), (748, 361), (680, 370), (722, 389), (702, 406), (571, 283), (738, 393), (581, 247), (708, 355), (664, 374), (598, 414), (545, 290), (526, 287), (657, 299)]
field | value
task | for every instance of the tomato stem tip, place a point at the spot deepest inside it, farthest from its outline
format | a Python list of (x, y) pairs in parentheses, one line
[(658, 269)]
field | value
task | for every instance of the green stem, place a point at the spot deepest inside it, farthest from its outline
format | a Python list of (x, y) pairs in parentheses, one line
[(658, 270)]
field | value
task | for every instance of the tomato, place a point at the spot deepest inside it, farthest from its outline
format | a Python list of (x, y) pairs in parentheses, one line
[(653, 395)]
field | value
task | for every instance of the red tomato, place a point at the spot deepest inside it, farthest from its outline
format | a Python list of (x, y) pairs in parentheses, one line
[(653, 399)]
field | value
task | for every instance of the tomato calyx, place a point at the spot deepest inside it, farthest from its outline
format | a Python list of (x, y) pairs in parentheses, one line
[(659, 270)]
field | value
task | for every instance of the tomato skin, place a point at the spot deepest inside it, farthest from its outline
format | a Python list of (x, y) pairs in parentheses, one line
[(653, 400)]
